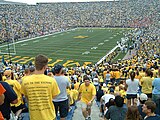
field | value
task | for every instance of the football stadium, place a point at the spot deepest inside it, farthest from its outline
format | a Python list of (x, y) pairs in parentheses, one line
[(80, 60)]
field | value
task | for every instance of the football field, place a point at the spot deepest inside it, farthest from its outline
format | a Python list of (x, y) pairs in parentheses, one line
[(71, 47)]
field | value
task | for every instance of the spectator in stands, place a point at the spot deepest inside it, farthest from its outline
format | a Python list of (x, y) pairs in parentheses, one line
[(99, 94), (146, 83), (31, 70), (87, 93), (10, 97), (61, 101), (26, 73), (94, 74), (73, 94), (142, 99), (96, 82), (156, 92), (105, 99), (132, 85), (39, 90), (19, 106), (133, 113), (2, 90), (118, 111), (117, 75), (107, 78), (148, 108)]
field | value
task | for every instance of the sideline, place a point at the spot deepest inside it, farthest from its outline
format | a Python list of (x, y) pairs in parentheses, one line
[(117, 46), (21, 41)]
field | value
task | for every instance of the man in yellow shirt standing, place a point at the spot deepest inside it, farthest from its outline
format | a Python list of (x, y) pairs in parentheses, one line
[(19, 106), (40, 89), (87, 93)]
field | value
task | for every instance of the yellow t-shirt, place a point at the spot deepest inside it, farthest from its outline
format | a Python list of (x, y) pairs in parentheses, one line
[(104, 74), (155, 73), (76, 85), (4, 78), (40, 90), (146, 83), (116, 89), (71, 100), (100, 79), (139, 78), (117, 74), (142, 74), (112, 74), (123, 94), (73, 96), (23, 78), (87, 92), (17, 89)]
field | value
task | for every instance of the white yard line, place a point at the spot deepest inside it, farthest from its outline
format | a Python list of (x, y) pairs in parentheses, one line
[(36, 38)]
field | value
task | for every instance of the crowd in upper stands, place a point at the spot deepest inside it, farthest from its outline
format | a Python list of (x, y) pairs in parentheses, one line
[(21, 21)]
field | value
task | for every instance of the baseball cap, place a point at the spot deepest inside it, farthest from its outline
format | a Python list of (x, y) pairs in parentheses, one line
[(7, 72), (143, 97), (57, 68)]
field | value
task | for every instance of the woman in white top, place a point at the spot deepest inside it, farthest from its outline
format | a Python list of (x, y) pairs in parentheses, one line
[(108, 75), (132, 85)]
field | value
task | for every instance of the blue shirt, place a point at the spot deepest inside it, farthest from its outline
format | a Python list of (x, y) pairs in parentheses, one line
[(156, 85), (10, 96), (156, 117)]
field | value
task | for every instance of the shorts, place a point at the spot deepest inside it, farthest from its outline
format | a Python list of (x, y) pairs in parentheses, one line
[(149, 95), (84, 105), (131, 96), (63, 108)]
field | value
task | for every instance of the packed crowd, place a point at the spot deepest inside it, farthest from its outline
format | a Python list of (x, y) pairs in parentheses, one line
[(124, 86), (21, 21)]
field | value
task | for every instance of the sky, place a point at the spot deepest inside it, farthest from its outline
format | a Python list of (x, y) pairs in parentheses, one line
[(37, 1)]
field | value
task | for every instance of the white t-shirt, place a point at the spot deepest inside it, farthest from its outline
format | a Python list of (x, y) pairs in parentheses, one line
[(132, 86), (106, 97), (108, 76)]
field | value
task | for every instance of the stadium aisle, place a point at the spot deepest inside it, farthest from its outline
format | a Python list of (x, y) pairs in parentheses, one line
[(128, 55), (94, 114)]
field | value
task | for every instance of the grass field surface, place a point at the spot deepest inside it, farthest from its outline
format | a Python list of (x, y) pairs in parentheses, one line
[(70, 47)]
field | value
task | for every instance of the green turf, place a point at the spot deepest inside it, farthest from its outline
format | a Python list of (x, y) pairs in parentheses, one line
[(65, 47)]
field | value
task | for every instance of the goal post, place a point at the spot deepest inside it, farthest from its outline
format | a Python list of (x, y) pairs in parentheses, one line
[(8, 47)]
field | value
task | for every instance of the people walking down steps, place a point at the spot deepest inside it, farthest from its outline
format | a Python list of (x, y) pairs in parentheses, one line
[(94, 115)]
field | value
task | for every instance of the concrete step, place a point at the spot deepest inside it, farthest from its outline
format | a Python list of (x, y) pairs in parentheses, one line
[(94, 114)]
